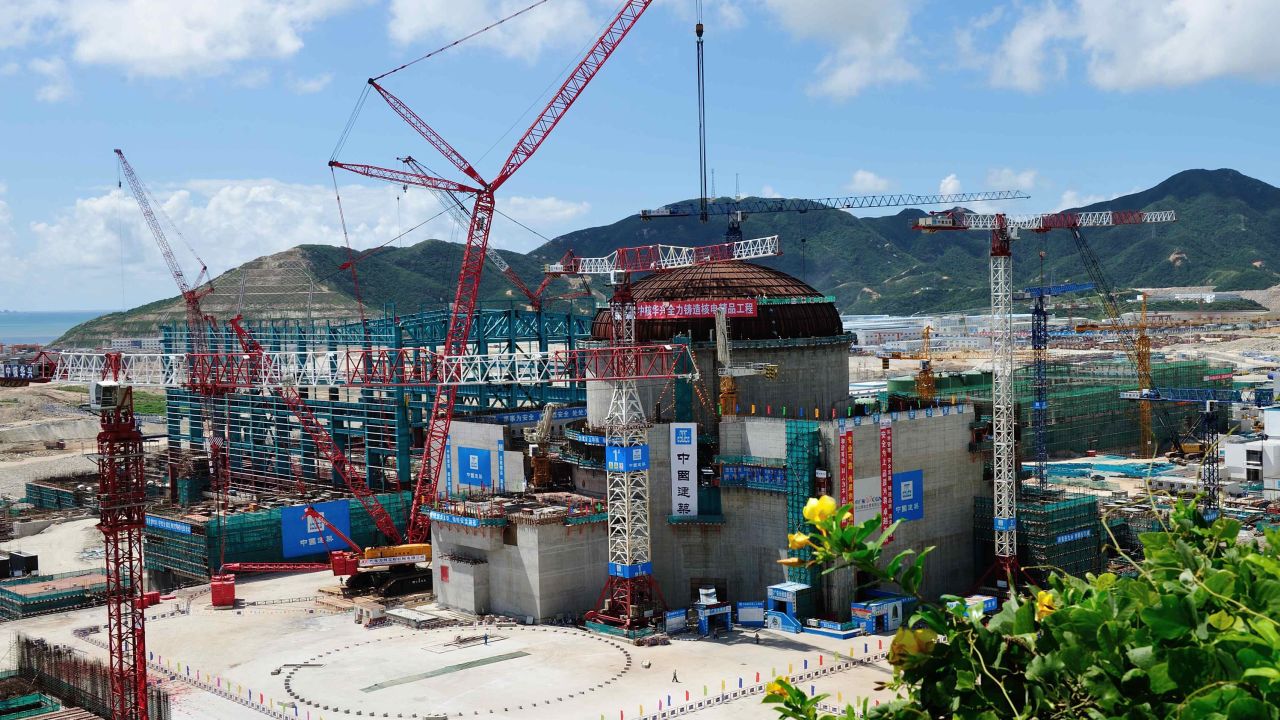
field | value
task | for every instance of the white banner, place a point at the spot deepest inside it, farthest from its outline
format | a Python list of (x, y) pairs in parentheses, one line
[(866, 502), (684, 468)]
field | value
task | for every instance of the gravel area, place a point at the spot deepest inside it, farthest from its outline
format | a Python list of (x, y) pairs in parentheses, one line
[(15, 474)]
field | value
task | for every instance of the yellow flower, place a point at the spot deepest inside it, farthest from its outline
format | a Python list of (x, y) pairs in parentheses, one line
[(791, 562), (1044, 604), (775, 688), (797, 540), (819, 509)]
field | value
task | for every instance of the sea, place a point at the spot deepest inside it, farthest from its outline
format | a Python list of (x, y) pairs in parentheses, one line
[(40, 327)]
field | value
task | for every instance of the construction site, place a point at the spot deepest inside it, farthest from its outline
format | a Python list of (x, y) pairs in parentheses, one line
[(519, 512)]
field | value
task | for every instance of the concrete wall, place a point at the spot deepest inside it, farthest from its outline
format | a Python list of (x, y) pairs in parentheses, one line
[(523, 570), (809, 375), (742, 552), (485, 436), (552, 569)]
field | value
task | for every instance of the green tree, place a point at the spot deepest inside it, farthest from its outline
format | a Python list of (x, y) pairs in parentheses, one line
[(1193, 635)]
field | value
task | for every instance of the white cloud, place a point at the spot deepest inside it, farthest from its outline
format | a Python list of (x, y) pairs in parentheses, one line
[(768, 192), (21, 22), (307, 86), (253, 78), (1009, 179), (950, 185), (543, 211), (79, 251), (717, 14), (565, 23), (57, 82), (1073, 199), (160, 38), (865, 181), (1133, 44), (1027, 57), (867, 38)]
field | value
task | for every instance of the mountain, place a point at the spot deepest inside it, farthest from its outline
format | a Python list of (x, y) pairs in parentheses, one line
[(1227, 236), (307, 281)]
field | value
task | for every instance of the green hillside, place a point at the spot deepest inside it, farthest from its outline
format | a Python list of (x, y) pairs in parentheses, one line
[(1227, 236)]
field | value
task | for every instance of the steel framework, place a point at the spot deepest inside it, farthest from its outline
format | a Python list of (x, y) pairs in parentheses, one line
[(1207, 426), (1003, 230), (122, 495), (631, 595), (476, 248), (1039, 364)]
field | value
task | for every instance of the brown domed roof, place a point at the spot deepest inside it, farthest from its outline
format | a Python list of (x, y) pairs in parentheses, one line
[(730, 280)]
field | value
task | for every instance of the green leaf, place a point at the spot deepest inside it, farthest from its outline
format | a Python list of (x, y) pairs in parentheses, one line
[(1220, 581), (1044, 667), (1267, 629), (1160, 681), (1266, 673), (1024, 619), (1222, 620), (1248, 708), (965, 680), (1170, 619), (1144, 657)]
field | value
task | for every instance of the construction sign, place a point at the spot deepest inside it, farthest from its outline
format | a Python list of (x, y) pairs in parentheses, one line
[(681, 309)]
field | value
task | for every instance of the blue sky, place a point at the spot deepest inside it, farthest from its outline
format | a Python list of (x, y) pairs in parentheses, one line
[(230, 110)]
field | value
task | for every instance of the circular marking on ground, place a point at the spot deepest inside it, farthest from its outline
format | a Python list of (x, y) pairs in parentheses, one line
[(429, 673)]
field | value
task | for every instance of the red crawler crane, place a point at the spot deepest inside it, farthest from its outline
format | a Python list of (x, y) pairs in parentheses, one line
[(477, 242)]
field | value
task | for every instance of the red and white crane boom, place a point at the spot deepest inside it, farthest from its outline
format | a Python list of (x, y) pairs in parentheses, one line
[(1004, 229), (477, 241)]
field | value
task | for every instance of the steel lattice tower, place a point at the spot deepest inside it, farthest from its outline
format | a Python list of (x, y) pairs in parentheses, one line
[(1002, 408), (122, 498), (1040, 383), (630, 594)]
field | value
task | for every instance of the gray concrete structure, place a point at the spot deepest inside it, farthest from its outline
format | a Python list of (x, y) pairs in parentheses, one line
[(538, 567)]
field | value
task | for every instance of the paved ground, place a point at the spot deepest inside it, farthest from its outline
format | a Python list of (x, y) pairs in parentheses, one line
[(539, 673), (74, 545)]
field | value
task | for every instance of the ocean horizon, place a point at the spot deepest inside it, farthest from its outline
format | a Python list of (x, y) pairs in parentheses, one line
[(41, 326)]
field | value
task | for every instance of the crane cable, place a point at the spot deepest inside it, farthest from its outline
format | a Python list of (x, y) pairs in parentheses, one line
[(702, 122), (364, 94), (355, 279), (461, 40)]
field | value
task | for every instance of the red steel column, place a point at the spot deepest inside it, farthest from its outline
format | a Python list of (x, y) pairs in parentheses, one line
[(122, 503)]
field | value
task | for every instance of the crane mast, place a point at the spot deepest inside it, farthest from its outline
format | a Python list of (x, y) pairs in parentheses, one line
[(631, 595), (1004, 229), (477, 241)]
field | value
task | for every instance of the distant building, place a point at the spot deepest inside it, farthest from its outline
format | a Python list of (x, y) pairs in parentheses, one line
[(145, 344)]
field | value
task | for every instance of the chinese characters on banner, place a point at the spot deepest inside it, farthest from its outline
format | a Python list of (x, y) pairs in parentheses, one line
[(845, 473), (680, 309), (684, 469), (886, 473), (908, 495)]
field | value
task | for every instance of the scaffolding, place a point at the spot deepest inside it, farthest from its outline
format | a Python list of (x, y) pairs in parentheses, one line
[(1057, 531), (79, 681), (380, 429), (802, 460), (1085, 411), (188, 547), (40, 594)]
